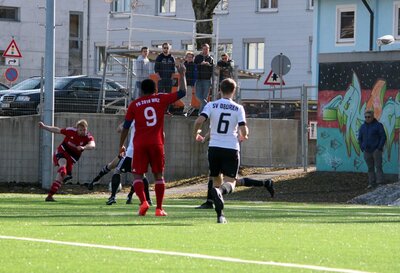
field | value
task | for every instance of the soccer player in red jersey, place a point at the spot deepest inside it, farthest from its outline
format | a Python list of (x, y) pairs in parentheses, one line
[(76, 140), (148, 113)]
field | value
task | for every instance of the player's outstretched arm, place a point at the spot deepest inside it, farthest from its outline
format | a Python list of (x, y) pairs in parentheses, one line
[(90, 146), (52, 129)]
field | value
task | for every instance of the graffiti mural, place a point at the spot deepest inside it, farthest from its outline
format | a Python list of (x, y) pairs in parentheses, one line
[(346, 90)]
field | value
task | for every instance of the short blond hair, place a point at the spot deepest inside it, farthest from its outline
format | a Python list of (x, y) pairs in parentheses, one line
[(82, 123)]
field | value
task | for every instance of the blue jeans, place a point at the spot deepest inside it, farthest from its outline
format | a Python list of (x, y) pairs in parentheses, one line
[(202, 91)]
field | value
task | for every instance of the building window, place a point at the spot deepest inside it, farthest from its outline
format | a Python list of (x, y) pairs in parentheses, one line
[(167, 7), (267, 5), (101, 59), (397, 20), (75, 44), (158, 43), (121, 6), (345, 24), (187, 45), (310, 4), (225, 48), (222, 7), (9, 13), (254, 56)]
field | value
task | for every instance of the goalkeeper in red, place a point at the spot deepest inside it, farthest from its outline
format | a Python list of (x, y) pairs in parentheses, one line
[(77, 139), (148, 142)]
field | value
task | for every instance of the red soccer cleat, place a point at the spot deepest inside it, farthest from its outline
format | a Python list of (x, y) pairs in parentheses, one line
[(143, 208), (161, 212)]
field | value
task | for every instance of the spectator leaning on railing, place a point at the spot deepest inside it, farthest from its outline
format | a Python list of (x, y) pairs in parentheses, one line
[(191, 75), (225, 67)]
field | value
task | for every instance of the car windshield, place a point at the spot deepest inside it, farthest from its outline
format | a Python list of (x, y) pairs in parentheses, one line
[(60, 83), (3, 87), (28, 84)]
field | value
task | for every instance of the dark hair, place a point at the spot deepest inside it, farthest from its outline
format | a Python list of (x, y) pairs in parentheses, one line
[(148, 87), (143, 48), (227, 86)]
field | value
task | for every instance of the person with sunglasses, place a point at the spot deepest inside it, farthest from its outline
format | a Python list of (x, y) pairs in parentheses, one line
[(372, 138)]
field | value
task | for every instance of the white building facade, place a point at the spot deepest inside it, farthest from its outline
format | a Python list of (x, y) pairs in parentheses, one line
[(253, 32)]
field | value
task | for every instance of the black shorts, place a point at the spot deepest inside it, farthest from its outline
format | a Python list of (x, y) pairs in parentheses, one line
[(125, 165), (223, 160)]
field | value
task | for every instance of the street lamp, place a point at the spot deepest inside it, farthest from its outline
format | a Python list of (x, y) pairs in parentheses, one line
[(384, 40)]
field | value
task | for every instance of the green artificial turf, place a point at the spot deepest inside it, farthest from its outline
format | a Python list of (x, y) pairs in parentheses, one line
[(360, 238)]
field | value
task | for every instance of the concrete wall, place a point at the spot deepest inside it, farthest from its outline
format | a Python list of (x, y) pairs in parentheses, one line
[(20, 146)]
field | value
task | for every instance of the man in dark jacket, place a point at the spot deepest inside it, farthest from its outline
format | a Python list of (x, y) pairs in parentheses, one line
[(372, 138), (225, 67), (205, 66), (165, 67)]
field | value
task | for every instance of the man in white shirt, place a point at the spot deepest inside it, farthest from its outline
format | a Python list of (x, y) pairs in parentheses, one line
[(142, 66), (227, 128)]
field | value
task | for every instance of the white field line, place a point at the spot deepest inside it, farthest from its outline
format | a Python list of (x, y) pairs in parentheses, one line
[(308, 211), (182, 254)]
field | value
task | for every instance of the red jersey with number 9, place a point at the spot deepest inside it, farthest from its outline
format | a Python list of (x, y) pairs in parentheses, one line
[(148, 113)]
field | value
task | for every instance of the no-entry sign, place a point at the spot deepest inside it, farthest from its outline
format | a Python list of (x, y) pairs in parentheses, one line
[(11, 74)]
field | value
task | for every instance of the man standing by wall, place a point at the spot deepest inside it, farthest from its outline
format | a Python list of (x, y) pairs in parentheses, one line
[(372, 138), (205, 65)]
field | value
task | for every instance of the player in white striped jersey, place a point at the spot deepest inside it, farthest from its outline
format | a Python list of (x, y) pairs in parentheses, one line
[(227, 128)]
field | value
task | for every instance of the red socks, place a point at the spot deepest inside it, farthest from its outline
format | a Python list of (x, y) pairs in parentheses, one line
[(138, 185), (159, 189), (54, 187)]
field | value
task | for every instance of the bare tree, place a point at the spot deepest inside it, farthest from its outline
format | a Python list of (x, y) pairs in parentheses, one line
[(204, 9)]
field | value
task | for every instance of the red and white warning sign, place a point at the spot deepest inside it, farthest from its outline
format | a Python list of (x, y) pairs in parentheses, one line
[(273, 79), (12, 50)]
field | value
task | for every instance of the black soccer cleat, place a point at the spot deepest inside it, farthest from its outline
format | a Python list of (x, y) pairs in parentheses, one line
[(129, 200), (205, 205), (111, 201), (269, 185), (218, 199), (66, 179), (150, 202), (91, 185)]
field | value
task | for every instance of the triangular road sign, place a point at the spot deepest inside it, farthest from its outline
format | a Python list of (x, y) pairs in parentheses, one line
[(273, 79), (12, 50)]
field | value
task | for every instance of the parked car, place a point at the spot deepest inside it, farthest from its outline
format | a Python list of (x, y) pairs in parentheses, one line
[(71, 94), (28, 84), (3, 86)]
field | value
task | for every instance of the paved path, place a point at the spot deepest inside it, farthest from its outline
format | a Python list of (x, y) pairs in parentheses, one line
[(203, 186)]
